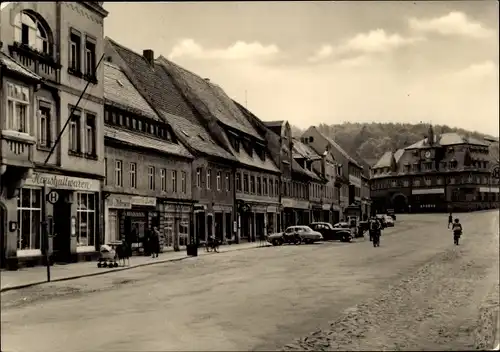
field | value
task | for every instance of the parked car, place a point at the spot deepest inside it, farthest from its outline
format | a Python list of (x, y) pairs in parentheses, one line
[(389, 221), (331, 233), (391, 213), (295, 235)]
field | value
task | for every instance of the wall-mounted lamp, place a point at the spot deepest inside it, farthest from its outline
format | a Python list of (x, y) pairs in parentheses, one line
[(12, 226)]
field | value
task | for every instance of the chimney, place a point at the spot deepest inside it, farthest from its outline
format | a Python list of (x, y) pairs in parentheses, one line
[(323, 163), (149, 55)]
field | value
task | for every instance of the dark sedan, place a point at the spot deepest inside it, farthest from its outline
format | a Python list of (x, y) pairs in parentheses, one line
[(331, 233)]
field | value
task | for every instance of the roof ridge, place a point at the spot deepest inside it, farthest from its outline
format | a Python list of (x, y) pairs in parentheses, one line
[(114, 42)]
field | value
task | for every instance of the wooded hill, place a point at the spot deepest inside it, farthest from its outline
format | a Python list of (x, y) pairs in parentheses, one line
[(371, 140)]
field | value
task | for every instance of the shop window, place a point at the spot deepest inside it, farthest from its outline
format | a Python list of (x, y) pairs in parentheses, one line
[(86, 219), (169, 232), (183, 233), (29, 217)]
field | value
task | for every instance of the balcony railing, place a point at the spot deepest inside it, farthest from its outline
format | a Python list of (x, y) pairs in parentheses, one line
[(16, 149), (42, 64)]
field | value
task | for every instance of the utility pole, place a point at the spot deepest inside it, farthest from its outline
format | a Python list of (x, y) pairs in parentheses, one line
[(45, 223)]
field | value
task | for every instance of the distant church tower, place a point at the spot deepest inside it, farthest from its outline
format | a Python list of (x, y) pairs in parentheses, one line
[(430, 136)]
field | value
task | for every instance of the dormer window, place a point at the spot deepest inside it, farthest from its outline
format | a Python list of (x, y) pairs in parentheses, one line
[(453, 164)]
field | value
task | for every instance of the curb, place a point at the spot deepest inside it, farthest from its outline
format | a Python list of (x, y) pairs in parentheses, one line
[(114, 270)]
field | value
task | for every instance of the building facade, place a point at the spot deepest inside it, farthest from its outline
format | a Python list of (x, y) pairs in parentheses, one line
[(440, 173), (213, 203), (348, 179), (62, 43), (148, 172), (256, 209)]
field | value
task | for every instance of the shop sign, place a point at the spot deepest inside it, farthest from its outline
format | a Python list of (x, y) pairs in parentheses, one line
[(63, 182), (144, 201), (272, 209), (119, 202)]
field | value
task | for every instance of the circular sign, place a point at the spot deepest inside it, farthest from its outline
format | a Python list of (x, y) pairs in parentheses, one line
[(53, 197), (496, 172), (427, 154)]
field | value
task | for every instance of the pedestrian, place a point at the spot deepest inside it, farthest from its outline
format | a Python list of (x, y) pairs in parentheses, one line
[(146, 242), (155, 242), (457, 231), (450, 220), (374, 227)]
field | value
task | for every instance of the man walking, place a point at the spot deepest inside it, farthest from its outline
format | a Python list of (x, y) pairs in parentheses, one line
[(450, 220)]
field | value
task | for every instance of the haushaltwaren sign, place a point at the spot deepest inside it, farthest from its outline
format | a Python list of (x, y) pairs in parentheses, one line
[(63, 182)]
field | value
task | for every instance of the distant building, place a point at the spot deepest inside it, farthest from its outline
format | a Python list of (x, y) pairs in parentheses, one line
[(440, 173)]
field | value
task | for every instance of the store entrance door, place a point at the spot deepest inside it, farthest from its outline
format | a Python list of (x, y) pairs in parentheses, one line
[(62, 229)]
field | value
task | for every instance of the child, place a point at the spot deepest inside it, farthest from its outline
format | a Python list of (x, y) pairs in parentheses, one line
[(457, 231)]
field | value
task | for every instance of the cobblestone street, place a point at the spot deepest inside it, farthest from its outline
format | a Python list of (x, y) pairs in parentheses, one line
[(417, 291)]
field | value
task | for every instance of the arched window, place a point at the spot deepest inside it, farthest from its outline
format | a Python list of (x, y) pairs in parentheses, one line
[(29, 31)]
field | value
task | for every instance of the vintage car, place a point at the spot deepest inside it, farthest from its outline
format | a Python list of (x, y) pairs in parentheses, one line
[(391, 213), (389, 221), (295, 235), (331, 233)]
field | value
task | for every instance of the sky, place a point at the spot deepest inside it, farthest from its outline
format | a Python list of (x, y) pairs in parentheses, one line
[(332, 62)]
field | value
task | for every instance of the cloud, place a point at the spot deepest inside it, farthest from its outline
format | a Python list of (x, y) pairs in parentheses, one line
[(375, 41), (237, 51), (454, 23), (486, 69)]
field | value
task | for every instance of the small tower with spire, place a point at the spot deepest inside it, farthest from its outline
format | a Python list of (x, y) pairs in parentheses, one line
[(430, 135)]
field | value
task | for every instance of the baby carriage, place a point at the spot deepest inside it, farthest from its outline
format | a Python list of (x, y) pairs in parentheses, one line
[(107, 257)]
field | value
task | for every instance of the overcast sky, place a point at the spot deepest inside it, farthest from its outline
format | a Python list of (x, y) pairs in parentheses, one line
[(313, 62)]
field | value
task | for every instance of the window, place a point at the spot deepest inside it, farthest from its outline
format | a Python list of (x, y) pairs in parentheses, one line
[(90, 56), (132, 173), (74, 131), (174, 181), (238, 182), (163, 180), (118, 173), (86, 219), (198, 177), (228, 183), (29, 217), (252, 184), (264, 186), (151, 178), (209, 178), (245, 183), (184, 182), (18, 100), (43, 124), (276, 188), (90, 134), (74, 51), (29, 31), (259, 186), (219, 180)]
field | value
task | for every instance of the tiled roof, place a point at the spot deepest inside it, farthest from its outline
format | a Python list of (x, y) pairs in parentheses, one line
[(156, 86), (450, 138), (196, 136), (296, 167), (385, 160), (118, 89), (301, 150), (254, 161), (136, 139), (339, 148), (212, 96), (10, 64), (274, 123)]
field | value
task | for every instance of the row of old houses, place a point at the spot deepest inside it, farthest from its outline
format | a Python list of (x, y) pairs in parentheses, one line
[(145, 143)]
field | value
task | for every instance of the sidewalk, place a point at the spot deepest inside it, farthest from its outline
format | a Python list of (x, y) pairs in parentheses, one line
[(11, 280)]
